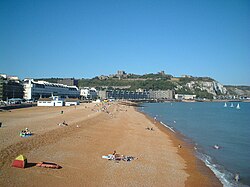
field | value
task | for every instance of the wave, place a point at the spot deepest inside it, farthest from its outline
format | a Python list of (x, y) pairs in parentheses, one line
[(225, 176), (170, 128), (222, 174)]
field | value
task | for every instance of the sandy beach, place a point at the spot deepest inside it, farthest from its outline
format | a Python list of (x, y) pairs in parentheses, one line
[(95, 130)]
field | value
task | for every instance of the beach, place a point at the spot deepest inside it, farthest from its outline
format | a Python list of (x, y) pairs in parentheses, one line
[(95, 130)]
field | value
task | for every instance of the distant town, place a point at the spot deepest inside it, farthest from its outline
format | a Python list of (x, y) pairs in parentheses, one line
[(122, 86)]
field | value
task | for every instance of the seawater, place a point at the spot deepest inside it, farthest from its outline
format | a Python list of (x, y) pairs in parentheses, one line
[(207, 124)]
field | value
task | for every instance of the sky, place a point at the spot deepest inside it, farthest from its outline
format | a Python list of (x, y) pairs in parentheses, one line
[(88, 38)]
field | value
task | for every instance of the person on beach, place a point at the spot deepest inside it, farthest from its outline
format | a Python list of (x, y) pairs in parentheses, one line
[(237, 177), (113, 155), (22, 133), (27, 131), (116, 156)]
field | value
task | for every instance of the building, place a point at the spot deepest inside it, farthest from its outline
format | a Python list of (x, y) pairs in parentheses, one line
[(36, 89), (161, 94), (136, 95), (10, 87), (162, 73), (103, 77), (123, 94), (102, 94), (88, 93), (187, 76), (68, 81), (52, 101), (71, 102), (184, 97), (121, 74), (15, 101)]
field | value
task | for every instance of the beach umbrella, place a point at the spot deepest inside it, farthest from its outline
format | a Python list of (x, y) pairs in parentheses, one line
[(19, 162)]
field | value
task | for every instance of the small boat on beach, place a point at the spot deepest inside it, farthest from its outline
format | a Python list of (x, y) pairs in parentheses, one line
[(48, 165), (238, 106)]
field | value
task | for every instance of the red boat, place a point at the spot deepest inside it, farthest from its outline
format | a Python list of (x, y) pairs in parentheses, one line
[(48, 165)]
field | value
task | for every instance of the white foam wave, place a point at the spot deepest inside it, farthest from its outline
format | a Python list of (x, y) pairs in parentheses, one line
[(170, 128), (224, 176)]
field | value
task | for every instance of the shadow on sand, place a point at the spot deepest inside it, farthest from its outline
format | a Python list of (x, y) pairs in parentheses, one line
[(29, 165)]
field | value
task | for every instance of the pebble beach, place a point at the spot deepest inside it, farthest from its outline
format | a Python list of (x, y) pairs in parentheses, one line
[(95, 130)]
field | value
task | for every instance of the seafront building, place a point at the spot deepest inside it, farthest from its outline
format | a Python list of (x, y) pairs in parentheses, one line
[(57, 101), (68, 81), (122, 94), (71, 102), (10, 87), (184, 97), (87, 93), (52, 101), (38, 89), (161, 94), (136, 95)]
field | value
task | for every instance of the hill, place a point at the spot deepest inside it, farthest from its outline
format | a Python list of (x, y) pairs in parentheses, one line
[(202, 87), (238, 90)]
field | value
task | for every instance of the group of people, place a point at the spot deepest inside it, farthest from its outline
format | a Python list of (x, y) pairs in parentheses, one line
[(148, 128), (63, 124), (118, 157), (25, 132)]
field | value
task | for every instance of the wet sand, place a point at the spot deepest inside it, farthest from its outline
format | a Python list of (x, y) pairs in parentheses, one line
[(92, 133)]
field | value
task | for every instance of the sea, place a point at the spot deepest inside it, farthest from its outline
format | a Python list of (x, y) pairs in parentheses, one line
[(206, 124)]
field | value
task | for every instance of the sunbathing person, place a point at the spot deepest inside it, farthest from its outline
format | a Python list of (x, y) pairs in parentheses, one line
[(22, 133), (27, 131), (117, 156)]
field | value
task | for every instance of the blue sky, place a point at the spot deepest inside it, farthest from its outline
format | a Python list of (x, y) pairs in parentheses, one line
[(83, 39)]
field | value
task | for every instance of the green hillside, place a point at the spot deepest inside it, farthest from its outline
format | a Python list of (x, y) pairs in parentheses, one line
[(158, 81)]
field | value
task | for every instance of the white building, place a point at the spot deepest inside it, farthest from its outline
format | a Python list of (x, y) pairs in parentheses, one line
[(13, 78), (88, 93), (71, 102), (52, 101), (185, 97), (36, 89)]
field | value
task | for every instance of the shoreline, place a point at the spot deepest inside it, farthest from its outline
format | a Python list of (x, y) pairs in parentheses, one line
[(203, 120), (199, 173), (92, 133)]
